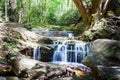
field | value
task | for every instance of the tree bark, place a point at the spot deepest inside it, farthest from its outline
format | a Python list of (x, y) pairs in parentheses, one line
[(6, 9), (20, 10), (95, 6), (98, 10), (83, 9), (106, 3), (12, 11)]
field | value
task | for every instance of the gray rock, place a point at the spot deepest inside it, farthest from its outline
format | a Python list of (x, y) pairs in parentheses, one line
[(105, 52)]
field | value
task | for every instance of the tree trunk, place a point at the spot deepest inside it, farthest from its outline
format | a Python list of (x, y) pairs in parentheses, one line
[(98, 10), (21, 7), (12, 11), (28, 11), (84, 10), (68, 2), (6, 9)]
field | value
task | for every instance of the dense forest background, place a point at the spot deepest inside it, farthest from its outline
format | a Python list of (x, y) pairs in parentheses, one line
[(39, 12), (72, 15)]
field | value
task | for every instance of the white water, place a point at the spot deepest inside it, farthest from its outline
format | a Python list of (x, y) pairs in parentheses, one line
[(70, 51), (67, 51), (36, 53)]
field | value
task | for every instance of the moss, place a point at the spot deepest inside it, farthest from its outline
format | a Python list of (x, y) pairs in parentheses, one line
[(12, 48)]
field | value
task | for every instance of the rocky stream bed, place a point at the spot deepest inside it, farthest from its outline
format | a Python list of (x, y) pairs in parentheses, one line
[(16, 63)]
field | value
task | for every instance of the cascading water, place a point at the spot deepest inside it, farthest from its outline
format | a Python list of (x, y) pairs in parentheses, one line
[(70, 51), (36, 53), (66, 51)]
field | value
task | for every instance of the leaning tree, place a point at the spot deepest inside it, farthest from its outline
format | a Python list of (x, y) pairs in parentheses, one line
[(96, 11)]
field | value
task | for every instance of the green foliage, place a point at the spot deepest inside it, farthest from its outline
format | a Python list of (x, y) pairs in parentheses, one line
[(119, 1), (117, 11), (36, 16), (13, 49), (89, 2), (43, 13), (51, 18), (110, 76), (38, 12), (53, 6), (69, 17), (61, 28)]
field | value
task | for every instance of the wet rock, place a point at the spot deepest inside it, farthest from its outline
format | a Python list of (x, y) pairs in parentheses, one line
[(45, 40), (28, 51), (104, 52), (46, 53)]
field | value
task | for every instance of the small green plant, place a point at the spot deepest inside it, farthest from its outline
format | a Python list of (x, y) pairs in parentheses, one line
[(12, 48)]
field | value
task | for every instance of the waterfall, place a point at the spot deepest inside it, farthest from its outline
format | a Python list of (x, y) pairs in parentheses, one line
[(70, 51), (36, 53)]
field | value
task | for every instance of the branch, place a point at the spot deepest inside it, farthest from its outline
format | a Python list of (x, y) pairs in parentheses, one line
[(99, 7), (105, 7), (95, 6)]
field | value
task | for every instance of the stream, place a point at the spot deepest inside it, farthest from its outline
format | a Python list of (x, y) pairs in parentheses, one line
[(66, 50)]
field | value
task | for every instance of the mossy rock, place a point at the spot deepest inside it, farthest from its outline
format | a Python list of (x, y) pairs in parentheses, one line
[(104, 52), (104, 28)]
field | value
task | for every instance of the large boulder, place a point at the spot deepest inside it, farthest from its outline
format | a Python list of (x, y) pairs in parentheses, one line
[(25, 67), (46, 53), (104, 52), (105, 28)]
